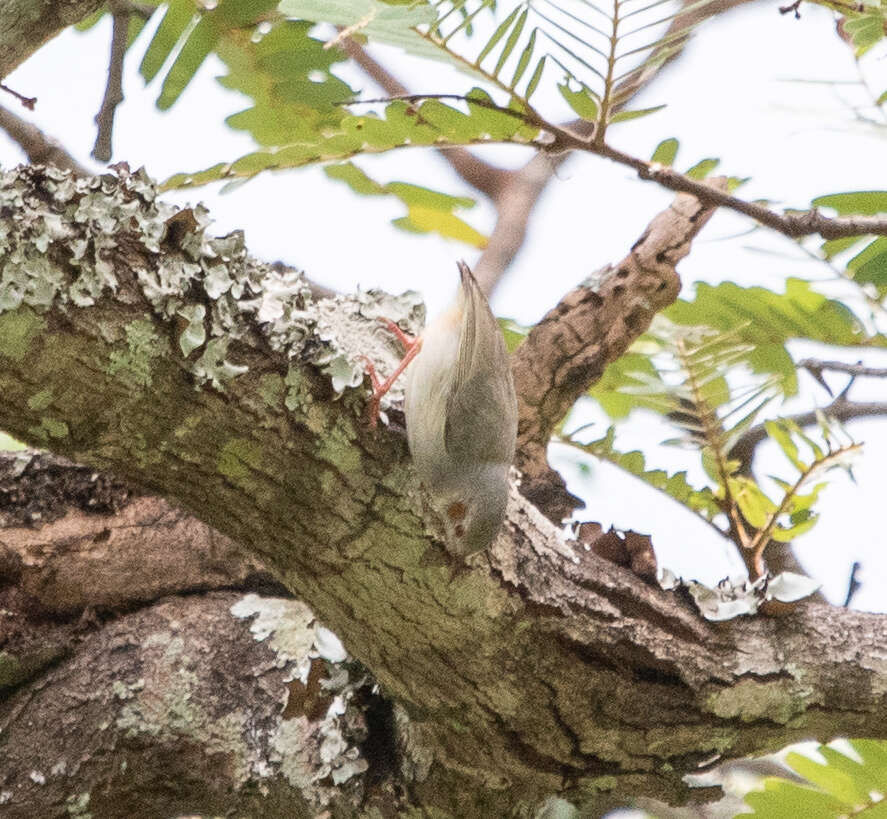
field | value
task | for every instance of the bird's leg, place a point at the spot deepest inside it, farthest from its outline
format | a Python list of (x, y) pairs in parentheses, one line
[(412, 346)]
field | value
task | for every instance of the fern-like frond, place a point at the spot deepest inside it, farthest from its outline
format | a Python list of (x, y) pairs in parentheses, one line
[(700, 500)]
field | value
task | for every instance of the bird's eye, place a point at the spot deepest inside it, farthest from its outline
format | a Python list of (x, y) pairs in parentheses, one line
[(459, 530)]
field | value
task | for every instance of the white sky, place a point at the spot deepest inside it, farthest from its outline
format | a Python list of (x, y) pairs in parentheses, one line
[(732, 95)]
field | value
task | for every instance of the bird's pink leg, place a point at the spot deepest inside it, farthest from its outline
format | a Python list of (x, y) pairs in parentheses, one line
[(412, 345)]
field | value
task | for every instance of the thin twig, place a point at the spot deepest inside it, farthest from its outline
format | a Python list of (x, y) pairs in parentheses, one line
[(122, 13), (795, 224), (28, 102), (482, 176), (853, 584), (840, 409), (38, 147), (761, 540), (816, 367)]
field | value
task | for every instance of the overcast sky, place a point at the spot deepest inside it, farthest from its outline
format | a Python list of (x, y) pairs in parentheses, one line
[(746, 91)]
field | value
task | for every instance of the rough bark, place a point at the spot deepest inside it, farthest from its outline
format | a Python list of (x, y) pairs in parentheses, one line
[(594, 324), (26, 24), (132, 341)]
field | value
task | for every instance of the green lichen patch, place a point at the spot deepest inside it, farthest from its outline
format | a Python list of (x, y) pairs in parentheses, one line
[(77, 805), (134, 365), (239, 459), (55, 428), (12, 671), (271, 389), (18, 329), (779, 700), (40, 400)]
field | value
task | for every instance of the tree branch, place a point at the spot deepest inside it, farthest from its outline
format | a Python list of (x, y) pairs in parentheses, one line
[(840, 409), (568, 350), (177, 361), (815, 366), (28, 24), (794, 224), (39, 148), (121, 13), (482, 176)]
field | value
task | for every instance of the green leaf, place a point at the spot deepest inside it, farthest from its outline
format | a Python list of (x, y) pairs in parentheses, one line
[(584, 102), (428, 211), (179, 14), (511, 42), (401, 125), (869, 266), (836, 780), (404, 25), (665, 152), (524, 60), (699, 500), (533, 84), (624, 116), (866, 203), (786, 800), (355, 178), (833, 247), (865, 30), (202, 40), (702, 169), (755, 506), (620, 373), (288, 75), (498, 34), (780, 433), (766, 321)]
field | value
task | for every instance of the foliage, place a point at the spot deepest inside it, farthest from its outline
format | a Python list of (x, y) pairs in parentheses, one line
[(690, 375), (844, 784)]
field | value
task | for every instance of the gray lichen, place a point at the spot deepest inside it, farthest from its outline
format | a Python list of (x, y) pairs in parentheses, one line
[(63, 251), (308, 752)]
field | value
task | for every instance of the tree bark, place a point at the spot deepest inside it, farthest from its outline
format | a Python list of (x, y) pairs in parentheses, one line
[(25, 25), (132, 341)]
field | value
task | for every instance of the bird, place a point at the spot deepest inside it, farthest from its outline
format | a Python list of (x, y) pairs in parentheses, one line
[(461, 416)]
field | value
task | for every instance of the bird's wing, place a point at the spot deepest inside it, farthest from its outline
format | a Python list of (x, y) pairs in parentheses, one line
[(481, 409)]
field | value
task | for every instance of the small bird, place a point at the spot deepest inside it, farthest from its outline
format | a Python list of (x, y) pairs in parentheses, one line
[(461, 416)]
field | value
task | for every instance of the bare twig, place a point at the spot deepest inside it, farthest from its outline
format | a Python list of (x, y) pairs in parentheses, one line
[(794, 224), (840, 409), (853, 583), (28, 102), (114, 89), (816, 367), (39, 148)]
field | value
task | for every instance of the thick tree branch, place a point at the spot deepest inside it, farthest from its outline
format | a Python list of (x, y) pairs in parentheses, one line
[(567, 351), (130, 339), (25, 25)]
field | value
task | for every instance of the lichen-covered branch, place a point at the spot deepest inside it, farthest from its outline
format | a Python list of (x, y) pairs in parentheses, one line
[(132, 340), (594, 324)]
